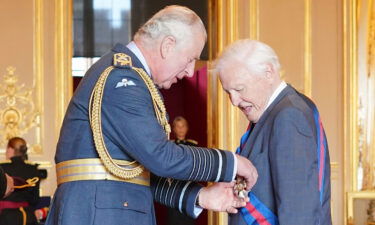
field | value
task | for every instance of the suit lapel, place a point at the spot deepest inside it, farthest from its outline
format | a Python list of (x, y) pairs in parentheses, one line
[(248, 150)]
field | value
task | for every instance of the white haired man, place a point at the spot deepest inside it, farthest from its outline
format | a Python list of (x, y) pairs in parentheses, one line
[(285, 140), (115, 133)]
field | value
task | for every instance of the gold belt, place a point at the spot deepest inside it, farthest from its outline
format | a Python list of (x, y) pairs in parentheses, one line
[(93, 169)]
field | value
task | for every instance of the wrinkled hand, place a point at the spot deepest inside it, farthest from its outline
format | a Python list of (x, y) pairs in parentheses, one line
[(246, 170), (220, 197), (10, 185)]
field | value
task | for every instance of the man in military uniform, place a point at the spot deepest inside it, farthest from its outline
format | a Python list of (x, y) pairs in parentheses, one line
[(17, 208), (180, 128), (115, 132)]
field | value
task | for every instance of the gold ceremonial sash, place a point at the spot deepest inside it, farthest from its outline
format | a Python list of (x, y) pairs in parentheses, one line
[(93, 169)]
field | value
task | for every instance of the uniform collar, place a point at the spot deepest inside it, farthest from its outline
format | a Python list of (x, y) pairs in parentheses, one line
[(17, 159), (137, 52)]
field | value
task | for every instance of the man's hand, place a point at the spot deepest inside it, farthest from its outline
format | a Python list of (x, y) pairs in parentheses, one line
[(10, 185), (246, 170), (220, 197)]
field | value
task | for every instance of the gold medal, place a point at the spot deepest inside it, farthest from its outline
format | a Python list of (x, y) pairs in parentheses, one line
[(240, 188)]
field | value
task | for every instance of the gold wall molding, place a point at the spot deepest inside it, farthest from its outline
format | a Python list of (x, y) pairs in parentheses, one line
[(366, 89), (223, 118), (307, 49), (350, 92), (31, 120), (350, 96), (254, 19), (17, 109), (334, 170), (63, 58), (38, 47), (231, 111)]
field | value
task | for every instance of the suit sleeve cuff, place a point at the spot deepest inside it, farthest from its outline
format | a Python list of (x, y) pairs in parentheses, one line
[(235, 166), (191, 209)]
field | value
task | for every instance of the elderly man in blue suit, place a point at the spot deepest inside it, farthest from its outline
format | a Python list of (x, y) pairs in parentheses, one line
[(285, 140), (115, 133)]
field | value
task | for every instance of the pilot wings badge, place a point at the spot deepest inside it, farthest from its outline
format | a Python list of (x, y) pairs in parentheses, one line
[(124, 83)]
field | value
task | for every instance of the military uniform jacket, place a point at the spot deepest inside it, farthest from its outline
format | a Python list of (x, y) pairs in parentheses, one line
[(3, 183), (131, 132), (19, 168), (283, 148)]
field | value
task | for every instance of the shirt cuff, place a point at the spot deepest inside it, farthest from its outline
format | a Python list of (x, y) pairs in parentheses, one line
[(197, 211)]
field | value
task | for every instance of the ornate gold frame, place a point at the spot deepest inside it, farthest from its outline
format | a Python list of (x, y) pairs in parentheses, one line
[(351, 196), (353, 128)]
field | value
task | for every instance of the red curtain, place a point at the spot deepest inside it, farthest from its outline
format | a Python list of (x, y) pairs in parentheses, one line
[(188, 98)]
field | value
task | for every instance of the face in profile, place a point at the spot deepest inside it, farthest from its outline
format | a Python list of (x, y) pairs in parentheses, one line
[(179, 61), (180, 128), (9, 153)]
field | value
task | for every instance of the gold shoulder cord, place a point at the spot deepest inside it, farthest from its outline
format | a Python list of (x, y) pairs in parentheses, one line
[(96, 125)]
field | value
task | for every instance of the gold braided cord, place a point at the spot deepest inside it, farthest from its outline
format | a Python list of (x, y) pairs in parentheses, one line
[(159, 107), (95, 104), (29, 183), (24, 217)]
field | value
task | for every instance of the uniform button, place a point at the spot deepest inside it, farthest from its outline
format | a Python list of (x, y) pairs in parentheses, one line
[(126, 204)]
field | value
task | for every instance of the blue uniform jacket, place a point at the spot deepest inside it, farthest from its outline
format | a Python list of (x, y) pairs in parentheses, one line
[(131, 132), (283, 148)]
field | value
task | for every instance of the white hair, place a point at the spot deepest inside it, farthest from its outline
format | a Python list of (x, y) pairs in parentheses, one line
[(176, 21), (255, 55)]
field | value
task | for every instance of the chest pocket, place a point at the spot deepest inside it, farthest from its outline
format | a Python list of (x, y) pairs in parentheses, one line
[(122, 204)]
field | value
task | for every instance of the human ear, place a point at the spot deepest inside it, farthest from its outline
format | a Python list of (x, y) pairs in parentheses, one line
[(167, 46), (270, 70)]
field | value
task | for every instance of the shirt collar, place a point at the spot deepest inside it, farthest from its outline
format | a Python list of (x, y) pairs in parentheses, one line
[(134, 48), (278, 90)]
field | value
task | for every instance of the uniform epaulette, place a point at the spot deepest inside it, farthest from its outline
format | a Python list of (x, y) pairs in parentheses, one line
[(122, 60), (192, 141), (5, 161)]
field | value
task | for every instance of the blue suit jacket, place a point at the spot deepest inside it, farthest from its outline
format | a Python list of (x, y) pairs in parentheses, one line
[(283, 148), (131, 132)]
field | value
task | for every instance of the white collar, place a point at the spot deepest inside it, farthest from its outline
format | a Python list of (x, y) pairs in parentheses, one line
[(134, 48), (278, 90)]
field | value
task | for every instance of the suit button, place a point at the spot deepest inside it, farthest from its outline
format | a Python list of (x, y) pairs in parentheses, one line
[(126, 204)]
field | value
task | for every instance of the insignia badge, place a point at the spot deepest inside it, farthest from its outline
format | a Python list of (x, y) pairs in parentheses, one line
[(124, 83), (122, 60)]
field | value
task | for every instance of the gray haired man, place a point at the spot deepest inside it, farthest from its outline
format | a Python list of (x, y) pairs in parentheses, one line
[(115, 133), (286, 140)]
